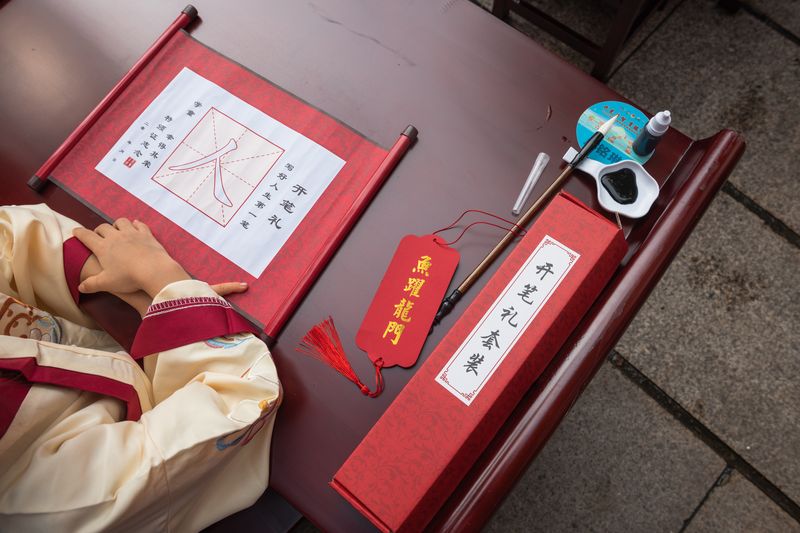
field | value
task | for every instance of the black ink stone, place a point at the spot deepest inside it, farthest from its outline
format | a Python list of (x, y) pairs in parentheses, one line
[(621, 185)]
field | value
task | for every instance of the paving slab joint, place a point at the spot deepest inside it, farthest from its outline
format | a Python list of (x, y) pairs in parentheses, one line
[(721, 480), (774, 223), (701, 431), (769, 22)]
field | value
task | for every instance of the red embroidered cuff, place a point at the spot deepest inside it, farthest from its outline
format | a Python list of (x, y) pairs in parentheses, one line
[(75, 255), (182, 321)]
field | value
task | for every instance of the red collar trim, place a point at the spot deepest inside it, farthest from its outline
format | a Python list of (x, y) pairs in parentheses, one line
[(13, 390), (75, 256), (34, 373)]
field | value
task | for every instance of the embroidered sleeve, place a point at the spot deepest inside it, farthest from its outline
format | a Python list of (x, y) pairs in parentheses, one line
[(40, 261), (183, 313)]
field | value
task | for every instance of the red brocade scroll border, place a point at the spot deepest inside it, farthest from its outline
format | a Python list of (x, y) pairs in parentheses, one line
[(288, 273)]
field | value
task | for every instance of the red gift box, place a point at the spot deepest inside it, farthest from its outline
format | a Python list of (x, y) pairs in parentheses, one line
[(420, 449)]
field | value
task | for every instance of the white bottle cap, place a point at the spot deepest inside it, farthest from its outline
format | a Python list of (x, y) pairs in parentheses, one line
[(659, 123)]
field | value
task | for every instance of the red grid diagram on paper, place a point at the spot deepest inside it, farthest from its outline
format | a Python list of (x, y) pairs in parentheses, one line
[(217, 166)]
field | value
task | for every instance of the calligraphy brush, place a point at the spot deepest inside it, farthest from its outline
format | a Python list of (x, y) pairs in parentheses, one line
[(593, 142)]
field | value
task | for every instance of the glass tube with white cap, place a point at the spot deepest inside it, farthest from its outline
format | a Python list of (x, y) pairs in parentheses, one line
[(538, 167)]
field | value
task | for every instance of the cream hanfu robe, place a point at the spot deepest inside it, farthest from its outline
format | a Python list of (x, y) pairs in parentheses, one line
[(90, 440)]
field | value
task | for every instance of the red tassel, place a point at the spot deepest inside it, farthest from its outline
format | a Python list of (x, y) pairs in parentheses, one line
[(322, 342)]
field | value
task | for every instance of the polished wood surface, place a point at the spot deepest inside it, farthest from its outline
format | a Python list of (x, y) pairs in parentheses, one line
[(486, 100)]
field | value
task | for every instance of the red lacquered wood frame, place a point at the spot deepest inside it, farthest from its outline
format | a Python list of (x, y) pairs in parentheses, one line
[(396, 152), (704, 168)]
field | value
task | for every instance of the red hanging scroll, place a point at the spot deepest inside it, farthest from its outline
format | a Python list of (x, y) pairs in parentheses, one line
[(276, 291)]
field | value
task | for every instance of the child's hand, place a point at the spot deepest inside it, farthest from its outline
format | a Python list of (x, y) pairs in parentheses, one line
[(229, 287), (130, 257)]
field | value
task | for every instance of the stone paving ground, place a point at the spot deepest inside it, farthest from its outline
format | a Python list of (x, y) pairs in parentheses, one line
[(692, 425)]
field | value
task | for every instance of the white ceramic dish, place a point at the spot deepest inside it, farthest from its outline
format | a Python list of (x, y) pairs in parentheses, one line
[(645, 183)]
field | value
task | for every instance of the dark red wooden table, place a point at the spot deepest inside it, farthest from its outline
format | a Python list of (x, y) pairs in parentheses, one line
[(478, 91)]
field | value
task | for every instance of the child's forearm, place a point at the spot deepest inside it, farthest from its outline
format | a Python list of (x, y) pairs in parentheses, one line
[(139, 300)]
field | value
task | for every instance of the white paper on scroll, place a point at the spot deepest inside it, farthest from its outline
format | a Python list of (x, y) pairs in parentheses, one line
[(232, 176)]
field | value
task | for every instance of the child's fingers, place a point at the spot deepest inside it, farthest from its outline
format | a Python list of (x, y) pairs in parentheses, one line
[(104, 229), (89, 238), (92, 284), (231, 287), (123, 224), (141, 226)]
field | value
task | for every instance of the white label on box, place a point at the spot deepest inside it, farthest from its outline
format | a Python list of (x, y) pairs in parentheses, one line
[(495, 335)]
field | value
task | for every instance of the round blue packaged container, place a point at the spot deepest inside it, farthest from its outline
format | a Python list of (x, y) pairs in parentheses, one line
[(617, 145)]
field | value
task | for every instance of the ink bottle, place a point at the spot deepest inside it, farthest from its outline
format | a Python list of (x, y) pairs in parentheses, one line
[(648, 138)]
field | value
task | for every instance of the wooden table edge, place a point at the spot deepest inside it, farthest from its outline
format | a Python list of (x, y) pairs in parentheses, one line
[(539, 413)]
